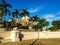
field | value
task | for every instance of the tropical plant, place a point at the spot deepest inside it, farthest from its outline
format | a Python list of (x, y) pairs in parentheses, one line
[(25, 12), (35, 18), (52, 29), (35, 27), (46, 24), (42, 23), (56, 24), (4, 9), (16, 13), (7, 25)]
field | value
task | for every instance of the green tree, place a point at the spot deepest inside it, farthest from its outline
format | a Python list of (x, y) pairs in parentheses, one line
[(16, 13), (4, 9), (52, 28), (46, 24), (10, 24), (56, 24), (7, 25), (25, 12), (42, 23), (35, 18)]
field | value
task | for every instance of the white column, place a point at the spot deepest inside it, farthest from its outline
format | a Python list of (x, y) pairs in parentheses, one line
[(13, 36)]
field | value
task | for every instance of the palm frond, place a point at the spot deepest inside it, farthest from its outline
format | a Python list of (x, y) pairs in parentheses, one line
[(3, 1), (13, 14), (25, 12), (8, 5), (8, 12)]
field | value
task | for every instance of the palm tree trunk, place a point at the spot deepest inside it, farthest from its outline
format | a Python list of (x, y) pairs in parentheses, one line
[(41, 29), (2, 21), (46, 28)]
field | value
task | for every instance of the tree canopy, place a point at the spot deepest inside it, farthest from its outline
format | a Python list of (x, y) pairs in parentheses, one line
[(40, 22), (56, 24)]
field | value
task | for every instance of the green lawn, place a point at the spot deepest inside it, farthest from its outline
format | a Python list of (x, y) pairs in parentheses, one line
[(35, 42)]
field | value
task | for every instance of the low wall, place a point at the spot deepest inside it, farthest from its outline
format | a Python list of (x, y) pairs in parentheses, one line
[(5, 35), (44, 35), (30, 35)]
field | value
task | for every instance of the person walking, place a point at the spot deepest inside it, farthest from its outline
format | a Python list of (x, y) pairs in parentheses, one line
[(20, 36)]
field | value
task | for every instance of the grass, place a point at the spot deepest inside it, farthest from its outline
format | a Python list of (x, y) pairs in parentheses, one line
[(37, 42)]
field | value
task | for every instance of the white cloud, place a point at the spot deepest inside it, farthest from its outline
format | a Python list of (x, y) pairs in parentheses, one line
[(58, 12), (57, 18), (51, 17), (33, 10)]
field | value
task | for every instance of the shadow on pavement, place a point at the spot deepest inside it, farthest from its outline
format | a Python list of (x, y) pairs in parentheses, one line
[(35, 42)]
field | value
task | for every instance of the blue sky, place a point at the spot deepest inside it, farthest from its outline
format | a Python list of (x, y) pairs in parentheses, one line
[(49, 9)]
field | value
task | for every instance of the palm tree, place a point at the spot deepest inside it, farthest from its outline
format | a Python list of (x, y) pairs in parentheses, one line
[(34, 22), (16, 13), (25, 12), (35, 18), (6, 23), (42, 23), (12, 24), (46, 24), (4, 9), (9, 24)]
